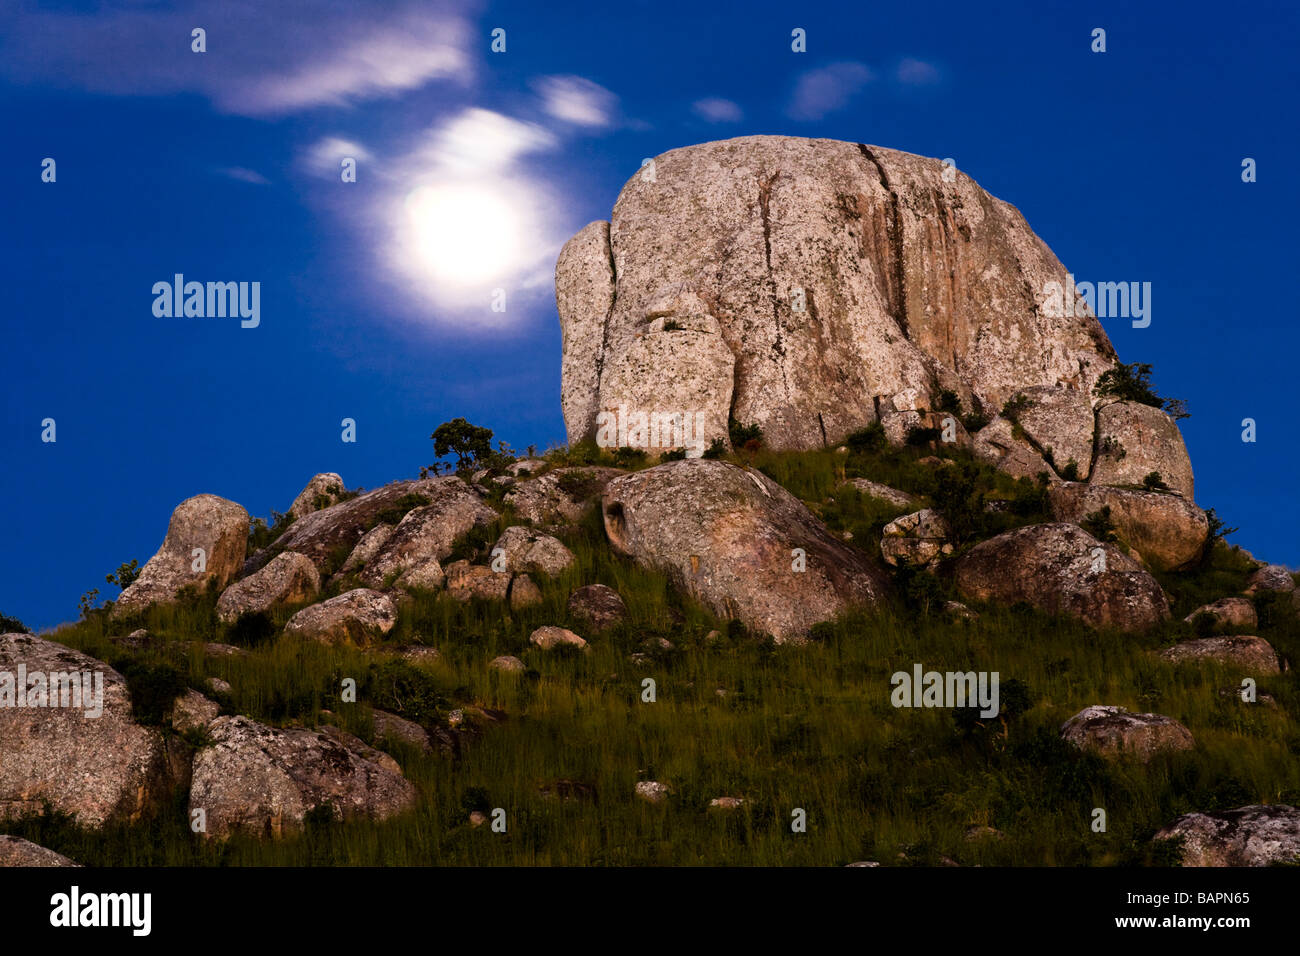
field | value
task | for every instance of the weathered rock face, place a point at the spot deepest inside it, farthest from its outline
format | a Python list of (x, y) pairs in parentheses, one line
[(526, 550), (1051, 566), (191, 711), (288, 577), (217, 526), (321, 492), (15, 851), (356, 616), (428, 532), (844, 279), (1231, 613), (1271, 577), (874, 489), (728, 535), (1168, 531), (1248, 836), (94, 768), (560, 496), (263, 781), (1254, 655), (996, 444), (466, 581), (920, 538), (1059, 421), (367, 547), (1143, 439), (1115, 732)]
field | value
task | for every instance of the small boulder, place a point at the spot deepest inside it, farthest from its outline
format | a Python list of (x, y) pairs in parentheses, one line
[(400, 730), (205, 523), (321, 492), (428, 575), (598, 606), (1114, 732), (289, 577), (263, 781), (1271, 577), (651, 791), (17, 852), (429, 531), (370, 544), (917, 539), (353, 617), (466, 581), (1059, 568), (526, 550), (1232, 613), (548, 638), (193, 711), (1251, 654), (524, 593), (508, 664), (873, 489), (1258, 835), (727, 803)]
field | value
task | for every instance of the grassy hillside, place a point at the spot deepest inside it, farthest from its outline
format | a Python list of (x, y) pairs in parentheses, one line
[(782, 727)]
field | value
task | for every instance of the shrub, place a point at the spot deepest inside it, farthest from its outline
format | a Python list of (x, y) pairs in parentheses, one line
[(125, 575), (871, 438), (974, 422), (469, 443), (153, 688), (676, 454), (400, 508), (717, 449), (626, 457), (1016, 404), (1132, 383), (1153, 482), (1099, 524), (11, 625), (251, 629), (742, 435), (948, 401), (922, 435), (1071, 470)]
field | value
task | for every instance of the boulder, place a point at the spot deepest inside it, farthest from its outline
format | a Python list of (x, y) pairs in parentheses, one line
[(873, 489), (651, 791), (548, 638), (561, 496), (1134, 440), (466, 581), (1231, 613), (996, 444), (1057, 568), (396, 729), (1271, 577), (1168, 531), (1115, 732), (95, 768), (428, 575), (1259, 835), (215, 525), (526, 550), (598, 606), (1251, 654), (428, 532), (321, 492), (1059, 420), (193, 712), (740, 543), (16, 852), (355, 617), (367, 547), (840, 276), (524, 593), (263, 781), (289, 577), (508, 664), (919, 539)]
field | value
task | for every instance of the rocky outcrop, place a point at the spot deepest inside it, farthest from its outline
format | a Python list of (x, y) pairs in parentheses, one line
[(842, 279), (1134, 440), (356, 617), (1254, 655), (1115, 732), (1062, 569), (1260, 835), (1058, 422), (466, 581), (17, 852), (524, 550), (94, 768), (598, 606), (192, 712), (205, 544), (919, 539), (561, 496), (1232, 613), (740, 543), (998, 445), (1271, 577), (287, 578), (321, 492), (263, 781), (367, 548), (1168, 531), (874, 489), (428, 532)]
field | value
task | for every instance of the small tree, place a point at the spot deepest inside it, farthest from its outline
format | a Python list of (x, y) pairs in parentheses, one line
[(1132, 383), (125, 575), (469, 443)]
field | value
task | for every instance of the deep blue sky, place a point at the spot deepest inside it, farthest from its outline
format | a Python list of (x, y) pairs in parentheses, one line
[(219, 166)]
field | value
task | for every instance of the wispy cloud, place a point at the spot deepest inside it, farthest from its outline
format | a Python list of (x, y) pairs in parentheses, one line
[(827, 89), (325, 156), (244, 175), (717, 110), (913, 72), (577, 100), (261, 59)]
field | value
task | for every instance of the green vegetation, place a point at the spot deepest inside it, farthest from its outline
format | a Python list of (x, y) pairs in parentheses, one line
[(1132, 383), (781, 726)]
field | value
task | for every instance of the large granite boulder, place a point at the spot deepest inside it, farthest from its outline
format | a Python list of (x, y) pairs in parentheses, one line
[(1116, 732), (17, 852), (1168, 531), (205, 543), (840, 276), (91, 761), (525, 550), (1062, 569), (263, 781), (1259, 835), (287, 578), (428, 532), (1133, 440), (1254, 655), (561, 496), (321, 492), (729, 535), (357, 616)]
